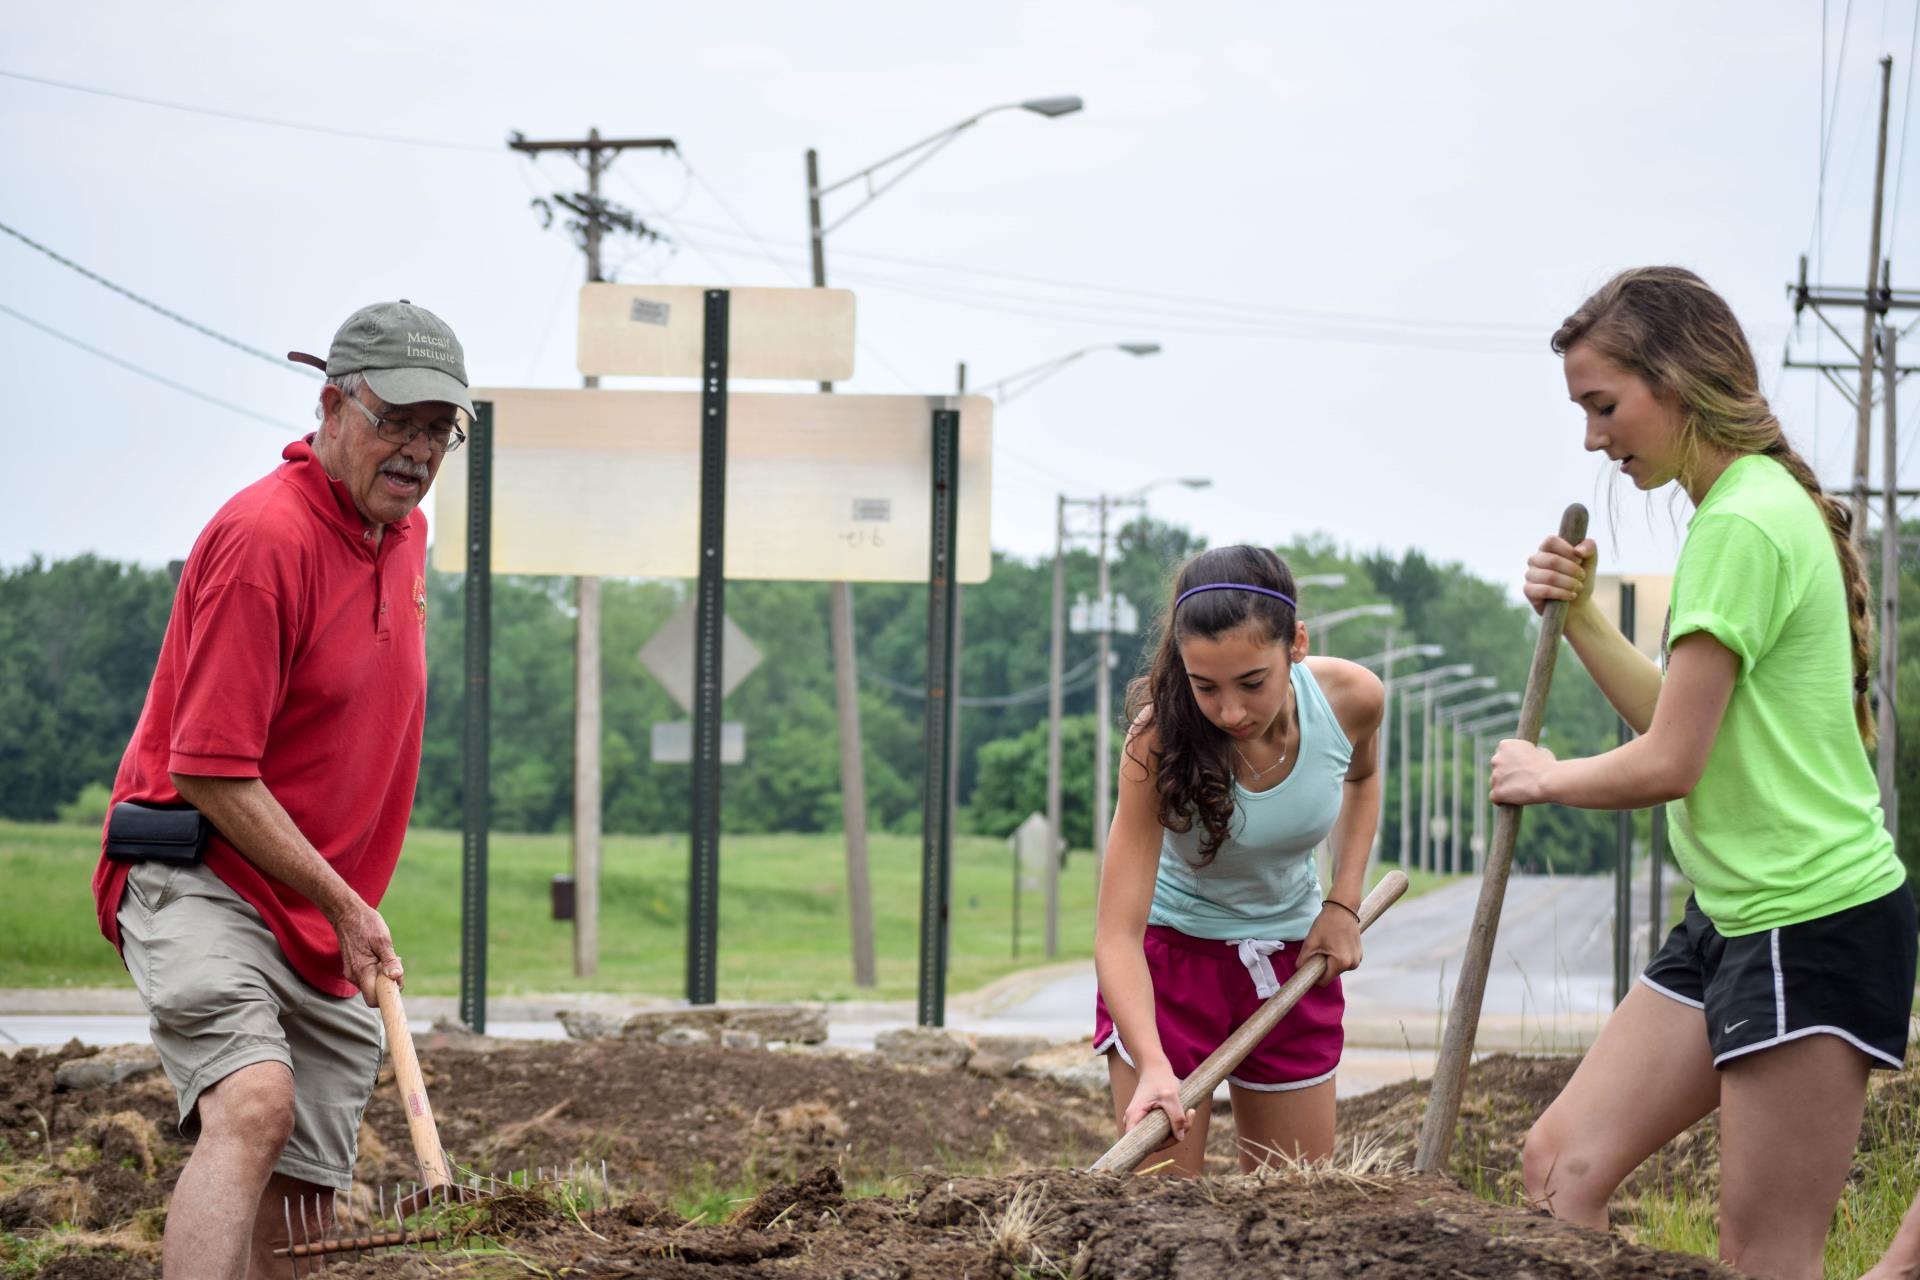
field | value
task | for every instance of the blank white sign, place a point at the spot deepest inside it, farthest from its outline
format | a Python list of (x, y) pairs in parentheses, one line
[(673, 742), (820, 488), (1652, 593), (660, 331)]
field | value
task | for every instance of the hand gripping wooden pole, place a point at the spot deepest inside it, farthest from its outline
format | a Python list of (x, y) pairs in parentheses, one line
[(1463, 1019), (413, 1088), (1155, 1128)]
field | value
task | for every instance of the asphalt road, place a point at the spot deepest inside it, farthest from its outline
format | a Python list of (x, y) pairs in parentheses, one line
[(1549, 988)]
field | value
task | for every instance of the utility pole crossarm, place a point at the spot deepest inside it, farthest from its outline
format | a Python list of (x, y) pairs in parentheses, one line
[(519, 142)]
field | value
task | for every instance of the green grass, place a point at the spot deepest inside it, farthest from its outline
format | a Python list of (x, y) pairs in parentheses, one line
[(783, 922), (1869, 1213)]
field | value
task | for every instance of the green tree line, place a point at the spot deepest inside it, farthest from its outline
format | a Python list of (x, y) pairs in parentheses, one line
[(78, 640)]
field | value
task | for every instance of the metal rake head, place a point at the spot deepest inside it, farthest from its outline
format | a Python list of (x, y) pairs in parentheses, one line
[(323, 1227)]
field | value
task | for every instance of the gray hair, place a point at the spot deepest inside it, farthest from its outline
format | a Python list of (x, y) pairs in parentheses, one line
[(348, 383)]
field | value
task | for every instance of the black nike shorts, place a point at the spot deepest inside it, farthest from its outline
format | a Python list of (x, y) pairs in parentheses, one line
[(1850, 974)]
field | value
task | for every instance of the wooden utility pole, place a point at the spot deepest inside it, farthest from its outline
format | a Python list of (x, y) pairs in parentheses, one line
[(1876, 302), (1890, 586), (846, 683), (594, 217), (1056, 707), (1869, 317)]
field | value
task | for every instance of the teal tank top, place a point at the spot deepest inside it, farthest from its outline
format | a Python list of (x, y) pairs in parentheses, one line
[(1263, 883)]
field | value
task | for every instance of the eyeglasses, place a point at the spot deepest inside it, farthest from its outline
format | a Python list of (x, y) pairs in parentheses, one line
[(442, 437)]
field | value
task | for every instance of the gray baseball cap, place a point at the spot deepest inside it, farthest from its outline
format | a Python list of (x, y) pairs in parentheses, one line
[(406, 353)]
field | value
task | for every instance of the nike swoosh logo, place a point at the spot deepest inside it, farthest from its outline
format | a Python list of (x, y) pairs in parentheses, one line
[(1732, 1027)]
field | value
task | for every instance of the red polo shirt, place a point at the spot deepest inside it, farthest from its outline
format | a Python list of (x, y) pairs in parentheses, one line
[(296, 654)]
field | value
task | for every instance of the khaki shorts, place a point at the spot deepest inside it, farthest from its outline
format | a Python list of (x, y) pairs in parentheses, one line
[(222, 996)]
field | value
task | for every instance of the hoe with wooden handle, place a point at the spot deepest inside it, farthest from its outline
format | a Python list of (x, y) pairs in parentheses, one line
[(1154, 1128), (1463, 1020)]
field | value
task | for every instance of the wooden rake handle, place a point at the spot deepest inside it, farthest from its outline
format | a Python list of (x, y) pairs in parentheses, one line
[(413, 1088), (1154, 1128), (1463, 1019)]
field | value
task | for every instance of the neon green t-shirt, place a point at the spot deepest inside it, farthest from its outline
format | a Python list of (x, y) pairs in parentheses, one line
[(1784, 825)]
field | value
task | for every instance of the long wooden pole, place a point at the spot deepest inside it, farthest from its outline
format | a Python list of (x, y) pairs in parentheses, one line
[(1463, 1020), (1155, 1128)]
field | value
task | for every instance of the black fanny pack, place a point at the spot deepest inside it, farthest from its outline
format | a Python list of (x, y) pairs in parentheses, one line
[(156, 833)]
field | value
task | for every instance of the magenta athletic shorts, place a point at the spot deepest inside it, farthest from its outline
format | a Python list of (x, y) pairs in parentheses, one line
[(1203, 988)]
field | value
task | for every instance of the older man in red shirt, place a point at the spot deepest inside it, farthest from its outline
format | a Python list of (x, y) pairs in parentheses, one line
[(286, 709)]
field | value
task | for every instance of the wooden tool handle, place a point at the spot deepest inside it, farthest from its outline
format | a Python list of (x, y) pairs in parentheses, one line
[(1463, 1019), (1154, 1128), (413, 1089)]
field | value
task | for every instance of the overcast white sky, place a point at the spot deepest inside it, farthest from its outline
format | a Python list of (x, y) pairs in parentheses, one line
[(1437, 184)]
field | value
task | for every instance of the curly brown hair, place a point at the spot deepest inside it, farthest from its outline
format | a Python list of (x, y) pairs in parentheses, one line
[(1193, 774)]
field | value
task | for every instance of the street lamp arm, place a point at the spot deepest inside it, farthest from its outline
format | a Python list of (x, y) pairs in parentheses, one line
[(928, 147), (1439, 695), (1003, 389), (1454, 713), (1414, 682), (1408, 651), (1343, 615)]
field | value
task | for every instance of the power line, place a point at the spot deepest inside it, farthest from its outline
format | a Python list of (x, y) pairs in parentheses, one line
[(1831, 113), (278, 362), (1063, 310), (250, 119), (1253, 310), (197, 394), (1080, 673), (1906, 114), (738, 221)]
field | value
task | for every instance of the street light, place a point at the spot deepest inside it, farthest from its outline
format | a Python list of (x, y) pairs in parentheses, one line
[(1328, 621), (1406, 687), (853, 783), (921, 151), (1429, 790), (1385, 659), (1502, 720), (1388, 657), (1003, 390), (1018, 384), (1453, 715), (1103, 655)]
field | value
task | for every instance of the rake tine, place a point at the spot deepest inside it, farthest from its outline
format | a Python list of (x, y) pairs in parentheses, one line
[(286, 1210), (306, 1237)]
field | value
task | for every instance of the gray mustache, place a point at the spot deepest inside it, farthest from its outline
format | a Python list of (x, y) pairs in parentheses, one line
[(408, 467)]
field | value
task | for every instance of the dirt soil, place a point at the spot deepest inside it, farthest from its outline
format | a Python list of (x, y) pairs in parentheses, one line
[(1505, 1093), (871, 1171)]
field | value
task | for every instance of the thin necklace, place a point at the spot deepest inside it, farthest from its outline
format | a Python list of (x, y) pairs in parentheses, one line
[(1253, 774)]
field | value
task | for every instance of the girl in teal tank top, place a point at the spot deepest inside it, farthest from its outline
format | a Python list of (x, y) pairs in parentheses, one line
[(1245, 755)]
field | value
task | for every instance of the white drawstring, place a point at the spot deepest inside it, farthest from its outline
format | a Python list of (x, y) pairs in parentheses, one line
[(1253, 954)]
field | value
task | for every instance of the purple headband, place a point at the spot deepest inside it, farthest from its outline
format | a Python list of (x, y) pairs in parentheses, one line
[(1233, 586)]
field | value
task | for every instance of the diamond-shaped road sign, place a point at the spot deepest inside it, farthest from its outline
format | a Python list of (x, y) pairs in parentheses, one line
[(668, 656)]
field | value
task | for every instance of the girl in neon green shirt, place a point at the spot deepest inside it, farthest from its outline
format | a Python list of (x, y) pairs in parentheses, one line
[(1791, 975)]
